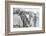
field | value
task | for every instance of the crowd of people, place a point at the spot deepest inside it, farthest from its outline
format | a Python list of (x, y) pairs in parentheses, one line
[(21, 20)]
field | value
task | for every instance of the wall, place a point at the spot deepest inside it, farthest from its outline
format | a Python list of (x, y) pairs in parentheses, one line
[(2, 18)]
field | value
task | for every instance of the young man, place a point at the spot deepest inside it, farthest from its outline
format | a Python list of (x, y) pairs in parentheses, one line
[(17, 22)]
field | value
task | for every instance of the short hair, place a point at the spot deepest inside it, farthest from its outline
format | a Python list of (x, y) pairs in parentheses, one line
[(17, 11), (21, 12)]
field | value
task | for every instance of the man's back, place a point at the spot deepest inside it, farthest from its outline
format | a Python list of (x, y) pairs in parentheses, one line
[(17, 20)]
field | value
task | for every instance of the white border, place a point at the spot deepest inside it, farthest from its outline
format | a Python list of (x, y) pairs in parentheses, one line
[(29, 28)]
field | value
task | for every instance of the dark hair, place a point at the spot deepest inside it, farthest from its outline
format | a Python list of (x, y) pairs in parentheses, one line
[(17, 11), (21, 12)]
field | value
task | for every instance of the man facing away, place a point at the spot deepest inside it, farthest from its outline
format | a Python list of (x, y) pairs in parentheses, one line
[(17, 22)]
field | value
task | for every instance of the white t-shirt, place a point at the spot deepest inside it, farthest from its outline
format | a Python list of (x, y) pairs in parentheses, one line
[(17, 20)]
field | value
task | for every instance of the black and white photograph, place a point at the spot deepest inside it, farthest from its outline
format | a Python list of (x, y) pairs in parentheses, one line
[(23, 17)]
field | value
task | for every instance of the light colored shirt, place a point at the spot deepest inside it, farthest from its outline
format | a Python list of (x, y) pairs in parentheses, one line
[(17, 20)]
